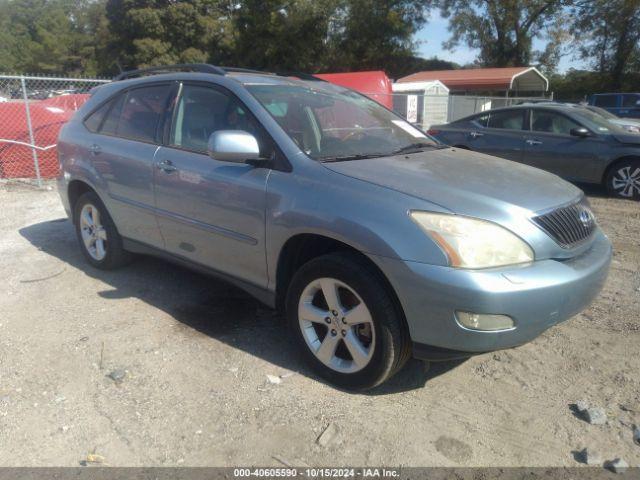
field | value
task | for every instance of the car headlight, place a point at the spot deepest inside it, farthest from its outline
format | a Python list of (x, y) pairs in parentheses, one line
[(473, 243)]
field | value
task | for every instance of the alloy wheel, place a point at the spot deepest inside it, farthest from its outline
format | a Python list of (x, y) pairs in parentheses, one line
[(336, 325), (94, 235), (626, 182)]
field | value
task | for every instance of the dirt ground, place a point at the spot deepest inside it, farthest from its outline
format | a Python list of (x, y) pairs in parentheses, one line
[(196, 354)]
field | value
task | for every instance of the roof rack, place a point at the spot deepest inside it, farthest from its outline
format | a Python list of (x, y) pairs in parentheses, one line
[(244, 70), (189, 67), (301, 76), (207, 68)]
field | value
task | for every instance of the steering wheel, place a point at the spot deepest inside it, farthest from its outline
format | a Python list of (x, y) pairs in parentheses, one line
[(350, 135)]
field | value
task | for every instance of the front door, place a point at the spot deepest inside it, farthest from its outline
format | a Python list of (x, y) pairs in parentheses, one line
[(550, 146), (211, 212)]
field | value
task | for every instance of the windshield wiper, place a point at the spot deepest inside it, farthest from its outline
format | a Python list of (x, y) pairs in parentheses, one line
[(418, 147), (357, 156)]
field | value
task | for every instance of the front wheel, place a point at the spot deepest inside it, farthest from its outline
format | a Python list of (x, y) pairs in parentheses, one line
[(345, 321), (623, 180)]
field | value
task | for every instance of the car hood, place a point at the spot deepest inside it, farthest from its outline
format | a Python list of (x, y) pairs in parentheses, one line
[(464, 182), (628, 138), (625, 121)]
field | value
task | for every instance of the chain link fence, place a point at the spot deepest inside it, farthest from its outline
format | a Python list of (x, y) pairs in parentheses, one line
[(33, 109)]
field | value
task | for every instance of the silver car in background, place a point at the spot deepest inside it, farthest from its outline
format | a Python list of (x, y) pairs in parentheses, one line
[(376, 242), (572, 142)]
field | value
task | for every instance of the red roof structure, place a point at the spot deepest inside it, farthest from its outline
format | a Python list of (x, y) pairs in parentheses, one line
[(522, 79)]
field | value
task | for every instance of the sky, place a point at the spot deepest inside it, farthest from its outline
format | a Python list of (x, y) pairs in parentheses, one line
[(435, 32)]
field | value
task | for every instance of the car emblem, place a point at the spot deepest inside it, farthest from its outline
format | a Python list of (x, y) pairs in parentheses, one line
[(585, 218)]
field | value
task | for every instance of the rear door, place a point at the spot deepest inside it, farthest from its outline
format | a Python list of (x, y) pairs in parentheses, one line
[(500, 133), (126, 136), (550, 146), (212, 212)]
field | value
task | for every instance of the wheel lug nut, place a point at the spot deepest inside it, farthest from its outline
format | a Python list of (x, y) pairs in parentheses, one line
[(344, 333), (344, 320), (328, 320), (334, 313), (334, 333)]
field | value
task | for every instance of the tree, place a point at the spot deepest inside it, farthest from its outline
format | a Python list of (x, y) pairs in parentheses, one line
[(282, 34), (153, 32), (373, 35), (608, 35), (503, 30)]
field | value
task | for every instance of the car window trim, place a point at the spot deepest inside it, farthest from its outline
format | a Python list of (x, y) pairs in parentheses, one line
[(280, 162)]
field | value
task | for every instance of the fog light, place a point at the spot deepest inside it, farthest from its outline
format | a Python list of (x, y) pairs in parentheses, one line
[(486, 322)]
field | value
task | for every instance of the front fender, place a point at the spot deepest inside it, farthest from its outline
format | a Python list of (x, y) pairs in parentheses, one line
[(371, 219)]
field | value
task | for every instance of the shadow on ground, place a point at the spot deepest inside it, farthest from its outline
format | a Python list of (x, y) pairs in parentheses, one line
[(207, 305)]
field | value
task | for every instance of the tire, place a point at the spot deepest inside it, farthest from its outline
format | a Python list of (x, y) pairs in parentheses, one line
[(99, 239), (367, 340), (623, 180)]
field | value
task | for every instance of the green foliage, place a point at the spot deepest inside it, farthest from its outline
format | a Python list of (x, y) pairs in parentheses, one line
[(104, 36), (503, 30), (51, 36), (608, 37)]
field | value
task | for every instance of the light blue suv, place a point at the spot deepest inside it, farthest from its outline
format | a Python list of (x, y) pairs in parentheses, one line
[(376, 241)]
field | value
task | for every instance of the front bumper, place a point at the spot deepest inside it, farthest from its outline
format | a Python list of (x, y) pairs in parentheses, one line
[(537, 296)]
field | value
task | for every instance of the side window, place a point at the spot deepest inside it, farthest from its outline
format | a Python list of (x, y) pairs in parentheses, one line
[(606, 101), (508, 120), (142, 111), (201, 110), (631, 100), (94, 121), (482, 120), (551, 122)]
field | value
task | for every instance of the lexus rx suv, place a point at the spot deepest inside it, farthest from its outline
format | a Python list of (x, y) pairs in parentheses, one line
[(376, 242)]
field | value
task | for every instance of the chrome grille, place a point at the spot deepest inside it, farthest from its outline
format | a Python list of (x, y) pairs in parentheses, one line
[(568, 226)]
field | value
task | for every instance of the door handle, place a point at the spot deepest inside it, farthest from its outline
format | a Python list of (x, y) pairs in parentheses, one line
[(534, 142), (166, 166), (95, 149), (475, 134)]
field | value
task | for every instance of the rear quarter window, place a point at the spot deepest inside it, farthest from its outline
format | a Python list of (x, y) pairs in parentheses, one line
[(94, 121)]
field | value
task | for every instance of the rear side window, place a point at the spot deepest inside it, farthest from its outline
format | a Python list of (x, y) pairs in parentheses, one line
[(631, 100), (508, 120), (135, 114), (606, 101), (482, 120)]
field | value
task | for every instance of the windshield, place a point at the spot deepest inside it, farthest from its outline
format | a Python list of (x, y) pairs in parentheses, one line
[(597, 121), (601, 111), (338, 125)]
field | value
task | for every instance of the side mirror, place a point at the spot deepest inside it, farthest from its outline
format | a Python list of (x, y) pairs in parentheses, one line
[(233, 146), (580, 132)]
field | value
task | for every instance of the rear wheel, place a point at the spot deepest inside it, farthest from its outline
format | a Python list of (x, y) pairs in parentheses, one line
[(623, 180), (345, 321), (99, 239)]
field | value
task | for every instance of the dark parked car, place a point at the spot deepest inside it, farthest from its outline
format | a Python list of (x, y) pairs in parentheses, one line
[(574, 143)]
